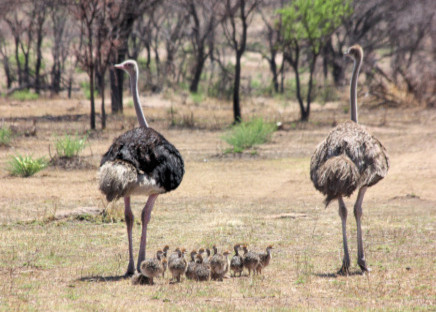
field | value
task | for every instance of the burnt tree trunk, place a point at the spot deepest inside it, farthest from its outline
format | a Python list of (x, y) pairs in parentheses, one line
[(197, 74), (100, 82), (236, 102), (116, 80)]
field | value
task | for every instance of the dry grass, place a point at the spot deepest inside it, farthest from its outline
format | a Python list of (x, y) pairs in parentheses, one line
[(77, 263)]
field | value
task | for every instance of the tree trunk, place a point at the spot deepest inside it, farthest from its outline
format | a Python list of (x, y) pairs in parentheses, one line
[(116, 79), (56, 77), (7, 72), (273, 67), (305, 116), (237, 82), (38, 61), (197, 74), (91, 91), (17, 59), (100, 81), (338, 73)]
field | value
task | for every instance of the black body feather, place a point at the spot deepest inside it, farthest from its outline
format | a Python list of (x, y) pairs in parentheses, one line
[(151, 154)]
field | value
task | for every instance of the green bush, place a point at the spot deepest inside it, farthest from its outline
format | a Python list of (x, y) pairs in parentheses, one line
[(26, 166), (24, 95), (5, 136), (197, 97), (248, 134), (130, 103), (70, 146), (85, 85)]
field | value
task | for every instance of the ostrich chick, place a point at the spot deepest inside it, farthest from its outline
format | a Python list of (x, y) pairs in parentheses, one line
[(152, 268), (251, 260), (265, 258), (164, 260), (177, 265), (237, 263), (206, 260), (202, 270), (190, 274), (219, 265)]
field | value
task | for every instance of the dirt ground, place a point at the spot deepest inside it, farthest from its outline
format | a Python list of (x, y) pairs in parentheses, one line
[(49, 261)]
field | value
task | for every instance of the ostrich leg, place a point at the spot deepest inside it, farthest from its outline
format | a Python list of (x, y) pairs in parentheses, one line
[(343, 214), (358, 215), (145, 218), (129, 222)]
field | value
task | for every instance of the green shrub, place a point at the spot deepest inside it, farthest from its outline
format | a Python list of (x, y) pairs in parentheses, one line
[(70, 146), (24, 95), (248, 134), (26, 166), (130, 103), (5, 136), (85, 85), (197, 97)]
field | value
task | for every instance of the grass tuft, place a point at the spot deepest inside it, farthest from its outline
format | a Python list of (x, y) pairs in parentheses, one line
[(197, 97), (248, 134), (70, 146), (26, 166), (24, 95), (86, 87), (5, 136)]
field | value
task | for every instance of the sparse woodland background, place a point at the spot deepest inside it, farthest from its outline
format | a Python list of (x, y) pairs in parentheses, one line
[(200, 46)]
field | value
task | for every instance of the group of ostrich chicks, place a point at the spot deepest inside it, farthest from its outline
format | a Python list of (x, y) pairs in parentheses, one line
[(211, 267)]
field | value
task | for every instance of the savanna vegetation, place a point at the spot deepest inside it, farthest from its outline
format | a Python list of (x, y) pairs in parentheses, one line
[(245, 89)]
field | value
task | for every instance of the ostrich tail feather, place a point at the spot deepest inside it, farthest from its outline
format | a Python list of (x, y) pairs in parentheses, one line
[(338, 176), (116, 179)]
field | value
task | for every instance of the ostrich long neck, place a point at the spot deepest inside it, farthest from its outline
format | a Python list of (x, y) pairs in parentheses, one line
[(353, 88), (138, 109)]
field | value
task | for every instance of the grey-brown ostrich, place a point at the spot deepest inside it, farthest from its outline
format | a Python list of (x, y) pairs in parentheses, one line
[(140, 161), (265, 258), (237, 263), (152, 268), (349, 159)]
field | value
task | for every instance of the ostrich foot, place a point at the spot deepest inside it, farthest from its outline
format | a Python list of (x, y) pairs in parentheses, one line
[(345, 269), (140, 279), (130, 270), (362, 265)]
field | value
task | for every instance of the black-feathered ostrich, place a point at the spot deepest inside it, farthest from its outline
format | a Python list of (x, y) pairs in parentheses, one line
[(140, 161), (349, 159)]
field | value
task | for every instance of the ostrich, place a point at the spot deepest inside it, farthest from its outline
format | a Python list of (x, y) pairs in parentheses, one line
[(140, 161), (349, 159)]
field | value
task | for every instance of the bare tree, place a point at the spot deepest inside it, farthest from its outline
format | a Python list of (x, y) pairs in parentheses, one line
[(272, 32), (238, 15), (105, 44), (41, 10), (172, 33), (122, 18), (204, 22), (86, 12), (21, 25)]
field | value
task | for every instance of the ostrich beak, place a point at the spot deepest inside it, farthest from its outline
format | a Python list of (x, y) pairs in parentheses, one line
[(119, 66)]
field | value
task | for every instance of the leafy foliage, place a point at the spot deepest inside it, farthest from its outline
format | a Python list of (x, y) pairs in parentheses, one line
[(314, 20), (70, 146), (307, 26), (87, 90), (247, 134), (26, 166), (5, 136), (24, 95)]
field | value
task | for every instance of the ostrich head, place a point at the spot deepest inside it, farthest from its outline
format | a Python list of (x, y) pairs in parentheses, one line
[(355, 52), (128, 66)]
